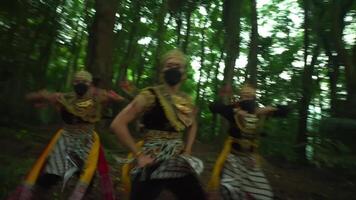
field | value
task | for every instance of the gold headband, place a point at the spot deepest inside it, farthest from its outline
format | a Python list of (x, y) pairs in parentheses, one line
[(83, 75), (247, 90), (175, 53)]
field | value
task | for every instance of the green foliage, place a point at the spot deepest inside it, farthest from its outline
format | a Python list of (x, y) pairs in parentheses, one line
[(332, 153), (334, 145), (278, 138), (44, 42)]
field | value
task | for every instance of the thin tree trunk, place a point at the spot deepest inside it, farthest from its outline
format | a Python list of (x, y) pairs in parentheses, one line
[(306, 91), (132, 44), (216, 74), (179, 27), (202, 60), (339, 11), (252, 56), (187, 32), (160, 32), (231, 21), (304, 105)]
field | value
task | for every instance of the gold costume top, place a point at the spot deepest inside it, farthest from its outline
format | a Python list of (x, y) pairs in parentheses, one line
[(87, 109), (165, 111)]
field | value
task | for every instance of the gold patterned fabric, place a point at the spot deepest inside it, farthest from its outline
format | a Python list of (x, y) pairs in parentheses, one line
[(178, 107), (87, 108), (146, 99), (83, 75)]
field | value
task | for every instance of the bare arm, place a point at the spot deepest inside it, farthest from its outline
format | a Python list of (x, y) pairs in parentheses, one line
[(266, 110), (42, 97), (120, 125), (191, 134), (113, 96)]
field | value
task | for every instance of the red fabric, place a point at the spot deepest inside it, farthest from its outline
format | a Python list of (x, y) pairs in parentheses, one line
[(21, 193), (105, 180)]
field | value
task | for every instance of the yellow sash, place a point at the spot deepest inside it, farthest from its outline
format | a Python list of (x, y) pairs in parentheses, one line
[(215, 177), (125, 171)]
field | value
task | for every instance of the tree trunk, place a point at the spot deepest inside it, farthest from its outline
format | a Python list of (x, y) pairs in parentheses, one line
[(76, 47), (179, 27), (307, 82), (160, 32), (306, 91), (339, 11), (100, 42), (231, 22), (216, 74), (202, 60), (187, 32), (252, 56), (132, 44)]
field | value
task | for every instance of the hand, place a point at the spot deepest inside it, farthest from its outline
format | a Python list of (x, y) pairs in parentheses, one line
[(187, 152), (115, 96), (144, 160)]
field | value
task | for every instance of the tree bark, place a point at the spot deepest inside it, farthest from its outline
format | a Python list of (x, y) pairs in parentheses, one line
[(100, 42), (347, 58), (132, 44), (231, 22), (160, 32), (252, 56)]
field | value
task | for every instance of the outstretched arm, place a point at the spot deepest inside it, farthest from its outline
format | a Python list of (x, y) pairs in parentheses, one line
[(266, 110), (278, 111), (42, 97)]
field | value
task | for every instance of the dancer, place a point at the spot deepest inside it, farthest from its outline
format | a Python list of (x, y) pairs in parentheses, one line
[(163, 160), (75, 149), (237, 173)]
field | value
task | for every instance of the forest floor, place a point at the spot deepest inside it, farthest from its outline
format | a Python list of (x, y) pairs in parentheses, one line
[(20, 148)]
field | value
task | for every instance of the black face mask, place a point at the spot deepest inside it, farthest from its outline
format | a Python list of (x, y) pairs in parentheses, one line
[(80, 89), (172, 76), (248, 105)]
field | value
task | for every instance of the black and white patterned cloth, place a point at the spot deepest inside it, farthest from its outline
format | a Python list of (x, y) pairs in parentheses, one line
[(169, 162), (242, 179), (70, 152)]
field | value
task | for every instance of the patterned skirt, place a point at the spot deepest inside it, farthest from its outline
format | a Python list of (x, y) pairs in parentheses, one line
[(70, 152), (242, 178), (169, 162)]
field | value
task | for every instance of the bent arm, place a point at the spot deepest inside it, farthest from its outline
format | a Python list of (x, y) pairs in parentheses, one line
[(120, 125), (191, 134)]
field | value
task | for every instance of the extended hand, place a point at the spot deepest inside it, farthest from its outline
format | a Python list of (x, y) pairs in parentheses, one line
[(187, 152), (115, 96), (265, 110)]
